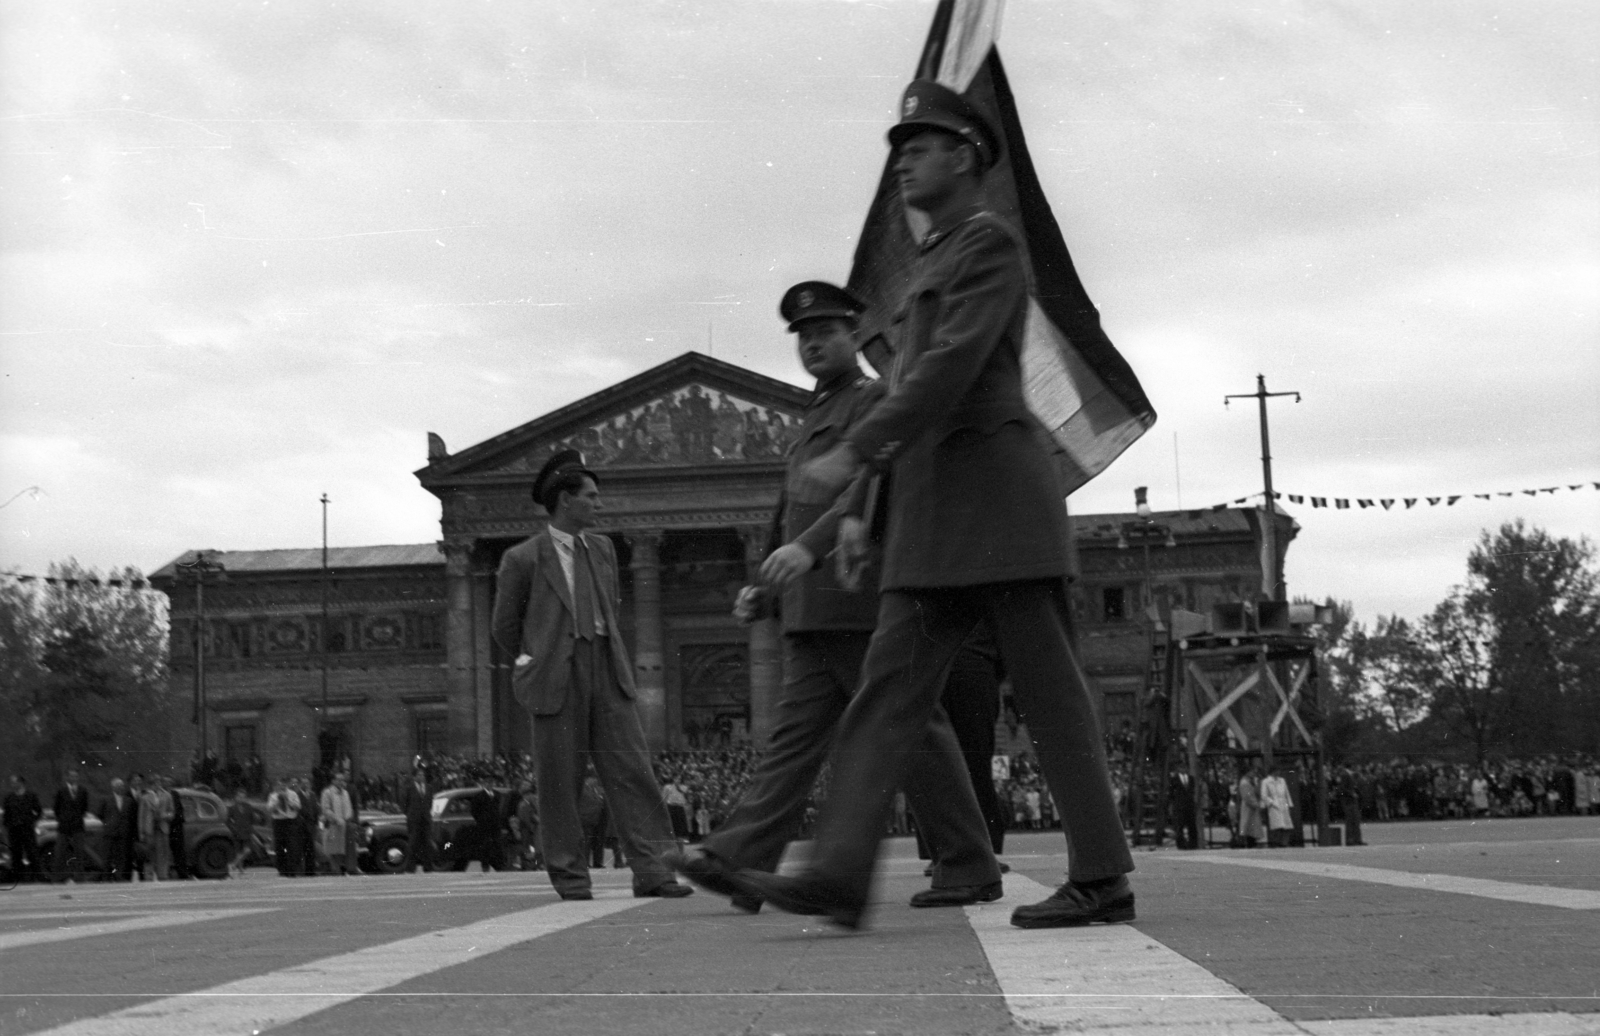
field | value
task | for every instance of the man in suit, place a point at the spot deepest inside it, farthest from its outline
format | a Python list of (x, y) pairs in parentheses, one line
[(22, 812), (416, 802), (555, 612), (120, 815), (72, 805), (826, 629), (975, 533)]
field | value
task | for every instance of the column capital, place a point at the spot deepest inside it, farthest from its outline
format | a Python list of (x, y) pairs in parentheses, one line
[(646, 546), (457, 556)]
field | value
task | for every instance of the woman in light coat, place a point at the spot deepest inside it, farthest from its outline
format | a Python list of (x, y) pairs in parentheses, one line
[(1251, 831)]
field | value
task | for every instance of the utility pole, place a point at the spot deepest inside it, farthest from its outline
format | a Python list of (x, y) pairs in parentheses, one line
[(200, 566), (1271, 578), (322, 641)]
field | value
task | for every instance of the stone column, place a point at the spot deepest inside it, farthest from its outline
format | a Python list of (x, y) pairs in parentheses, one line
[(766, 656), (483, 655), (649, 677), (467, 712)]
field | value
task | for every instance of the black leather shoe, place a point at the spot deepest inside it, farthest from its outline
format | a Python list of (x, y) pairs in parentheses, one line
[(1074, 904), (665, 890), (958, 895), (578, 894), (704, 869), (802, 894)]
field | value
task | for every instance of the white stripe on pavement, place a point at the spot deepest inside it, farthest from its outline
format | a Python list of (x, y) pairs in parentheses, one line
[(1528, 1024), (261, 1002), (1538, 895), (165, 919), (1108, 977)]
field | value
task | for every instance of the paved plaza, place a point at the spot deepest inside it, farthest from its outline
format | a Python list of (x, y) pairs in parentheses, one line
[(1436, 928)]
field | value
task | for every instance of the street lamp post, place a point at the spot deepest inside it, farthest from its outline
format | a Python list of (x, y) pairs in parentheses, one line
[(204, 561)]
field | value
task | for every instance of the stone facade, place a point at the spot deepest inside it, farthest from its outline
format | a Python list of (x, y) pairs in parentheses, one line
[(690, 459)]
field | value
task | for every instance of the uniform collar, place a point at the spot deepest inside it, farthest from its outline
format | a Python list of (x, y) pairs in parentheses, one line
[(827, 388), (942, 231)]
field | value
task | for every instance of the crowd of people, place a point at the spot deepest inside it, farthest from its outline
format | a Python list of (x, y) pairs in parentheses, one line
[(314, 818)]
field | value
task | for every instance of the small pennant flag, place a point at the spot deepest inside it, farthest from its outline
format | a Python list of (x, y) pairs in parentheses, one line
[(1319, 501), (1411, 502), (1451, 501), (1296, 499), (1341, 505), (1386, 504), (1364, 504), (1433, 501)]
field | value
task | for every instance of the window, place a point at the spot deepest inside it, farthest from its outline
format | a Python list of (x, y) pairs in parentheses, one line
[(430, 733), (430, 632), (241, 642), (1115, 605), (238, 744)]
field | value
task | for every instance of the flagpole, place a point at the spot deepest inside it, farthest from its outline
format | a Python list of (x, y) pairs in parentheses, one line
[(1271, 577)]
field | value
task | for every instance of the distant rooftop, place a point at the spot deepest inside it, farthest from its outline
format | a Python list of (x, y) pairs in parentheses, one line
[(309, 559), (1182, 523)]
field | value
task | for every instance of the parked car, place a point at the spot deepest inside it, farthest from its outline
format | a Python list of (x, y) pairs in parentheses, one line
[(381, 843), (455, 828), (205, 835), (382, 837)]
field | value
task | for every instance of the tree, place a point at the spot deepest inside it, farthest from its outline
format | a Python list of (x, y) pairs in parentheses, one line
[(84, 663), (1455, 660), (1540, 596)]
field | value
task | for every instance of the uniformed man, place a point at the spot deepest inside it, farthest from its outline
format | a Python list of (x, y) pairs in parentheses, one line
[(975, 534), (826, 631)]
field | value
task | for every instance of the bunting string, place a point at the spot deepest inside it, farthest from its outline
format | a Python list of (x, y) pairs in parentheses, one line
[(1341, 503)]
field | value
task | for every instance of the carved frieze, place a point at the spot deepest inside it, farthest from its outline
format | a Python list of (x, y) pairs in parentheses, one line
[(694, 424)]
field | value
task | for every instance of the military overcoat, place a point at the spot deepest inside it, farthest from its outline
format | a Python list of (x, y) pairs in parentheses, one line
[(975, 497)]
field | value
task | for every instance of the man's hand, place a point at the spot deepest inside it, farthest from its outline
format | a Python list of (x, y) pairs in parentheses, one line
[(786, 564), (819, 481), (751, 604), (850, 552)]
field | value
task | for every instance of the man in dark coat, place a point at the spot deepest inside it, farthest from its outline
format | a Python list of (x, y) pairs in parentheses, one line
[(416, 802), (120, 815), (826, 629), (22, 812), (555, 613), (976, 532), (72, 805)]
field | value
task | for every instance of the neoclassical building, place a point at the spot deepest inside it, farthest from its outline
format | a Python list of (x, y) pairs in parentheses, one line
[(690, 457)]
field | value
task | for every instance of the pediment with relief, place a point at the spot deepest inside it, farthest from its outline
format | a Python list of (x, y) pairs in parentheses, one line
[(694, 424)]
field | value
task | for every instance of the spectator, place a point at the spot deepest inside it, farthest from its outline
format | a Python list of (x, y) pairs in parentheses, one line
[(242, 826), (22, 812), (72, 805), (120, 816), (337, 819), (283, 807), (416, 802), (176, 843)]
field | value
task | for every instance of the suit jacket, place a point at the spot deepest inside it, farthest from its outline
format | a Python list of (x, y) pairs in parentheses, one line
[(123, 822), (418, 807), (533, 616), (71, 809), (976, 496)]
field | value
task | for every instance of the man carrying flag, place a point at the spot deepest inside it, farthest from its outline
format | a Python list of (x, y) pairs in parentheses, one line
[(974, 533)]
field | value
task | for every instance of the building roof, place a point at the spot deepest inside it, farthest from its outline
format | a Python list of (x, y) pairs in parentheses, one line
[(309, 559), (1182, 523)]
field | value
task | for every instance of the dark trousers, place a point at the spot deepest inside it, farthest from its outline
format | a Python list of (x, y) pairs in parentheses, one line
[(24, 852), (820, 672), (119, 858), (419, 846), (972, 701), (283, 846), (918, 634), (598, 723), (72, 847), (180, 853)]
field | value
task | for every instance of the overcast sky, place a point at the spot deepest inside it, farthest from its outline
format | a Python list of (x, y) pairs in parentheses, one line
[(253, 252)]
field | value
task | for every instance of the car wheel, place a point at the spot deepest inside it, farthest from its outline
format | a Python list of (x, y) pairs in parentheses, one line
[(211, 859), (389, 856)]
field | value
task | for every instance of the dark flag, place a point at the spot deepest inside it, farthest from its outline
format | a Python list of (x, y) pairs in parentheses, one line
[(1076, 382)]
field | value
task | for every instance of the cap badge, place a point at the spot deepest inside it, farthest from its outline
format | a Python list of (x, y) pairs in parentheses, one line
[(806, 299), (910, 107)]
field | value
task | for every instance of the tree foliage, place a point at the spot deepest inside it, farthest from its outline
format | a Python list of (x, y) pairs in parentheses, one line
[(83, 663)]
